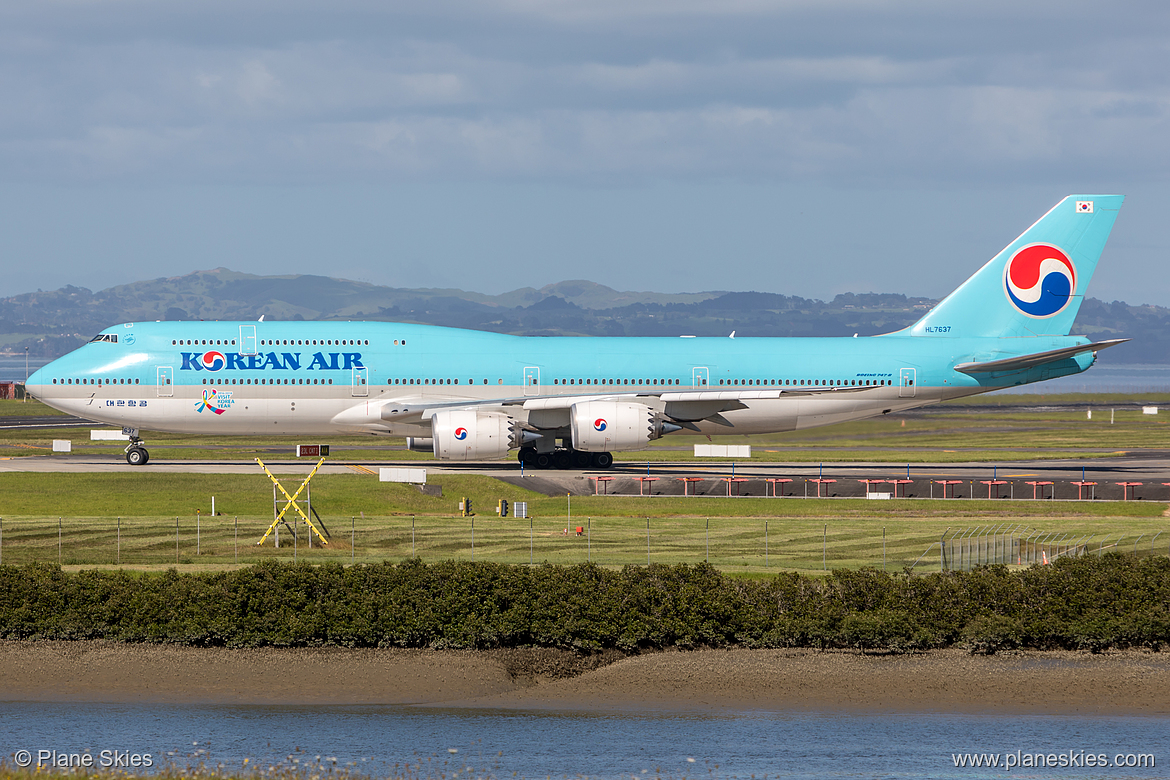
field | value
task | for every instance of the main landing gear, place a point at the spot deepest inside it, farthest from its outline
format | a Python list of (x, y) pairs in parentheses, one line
[(136, 454), (564, 459)]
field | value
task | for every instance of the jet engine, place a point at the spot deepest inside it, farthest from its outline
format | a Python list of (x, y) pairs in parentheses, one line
[(601, 426), (417, 444), (463, 434)]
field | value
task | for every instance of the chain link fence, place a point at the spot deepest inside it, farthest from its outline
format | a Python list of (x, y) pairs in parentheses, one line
[(736, 543)]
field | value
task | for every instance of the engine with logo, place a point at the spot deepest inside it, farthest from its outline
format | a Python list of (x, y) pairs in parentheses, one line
[(472, 434), (601, 426)]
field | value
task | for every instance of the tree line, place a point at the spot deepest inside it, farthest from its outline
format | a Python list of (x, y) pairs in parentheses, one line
[(1115, 601)]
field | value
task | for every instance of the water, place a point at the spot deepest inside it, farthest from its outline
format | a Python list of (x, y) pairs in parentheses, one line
[(571, 744), (12, 367), (1114, 378)]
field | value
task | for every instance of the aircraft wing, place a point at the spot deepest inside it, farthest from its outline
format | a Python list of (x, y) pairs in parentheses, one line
[(1022, 362), (683, 406)]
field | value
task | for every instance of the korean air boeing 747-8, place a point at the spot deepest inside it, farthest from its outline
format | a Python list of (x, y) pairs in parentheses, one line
[(571, 402)]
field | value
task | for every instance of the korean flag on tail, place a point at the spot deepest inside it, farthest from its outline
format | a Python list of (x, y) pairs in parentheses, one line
[(1084, 207)]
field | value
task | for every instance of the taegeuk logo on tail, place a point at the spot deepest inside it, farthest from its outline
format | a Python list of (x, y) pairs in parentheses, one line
[(1039, 280)]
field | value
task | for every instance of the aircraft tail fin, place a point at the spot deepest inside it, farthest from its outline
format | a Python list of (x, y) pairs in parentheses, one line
[(1035, 286)]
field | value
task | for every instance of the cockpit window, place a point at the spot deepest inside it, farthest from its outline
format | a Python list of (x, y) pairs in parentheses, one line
[(110, 337)]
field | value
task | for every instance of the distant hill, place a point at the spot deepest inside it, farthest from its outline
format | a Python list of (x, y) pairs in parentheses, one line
[(52, 323)]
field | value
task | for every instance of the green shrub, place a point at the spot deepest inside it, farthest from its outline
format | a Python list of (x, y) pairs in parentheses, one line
[(1089, 603), (988, 634)]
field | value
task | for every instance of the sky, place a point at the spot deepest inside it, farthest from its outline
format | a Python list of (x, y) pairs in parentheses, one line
[(807, 147)]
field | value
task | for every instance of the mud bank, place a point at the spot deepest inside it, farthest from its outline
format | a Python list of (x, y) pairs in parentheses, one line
[(707, 680)]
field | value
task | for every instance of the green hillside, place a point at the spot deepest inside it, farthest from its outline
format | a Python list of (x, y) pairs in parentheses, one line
[(52, 323)]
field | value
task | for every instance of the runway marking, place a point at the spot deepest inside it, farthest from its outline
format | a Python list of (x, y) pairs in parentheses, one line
[(48, 425), (360, 469)]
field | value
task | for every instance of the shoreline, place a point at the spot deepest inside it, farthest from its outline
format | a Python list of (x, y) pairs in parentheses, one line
[(1064, 683)]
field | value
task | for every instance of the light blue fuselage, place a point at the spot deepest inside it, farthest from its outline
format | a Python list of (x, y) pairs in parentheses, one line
[(326, 377), (478, 394)]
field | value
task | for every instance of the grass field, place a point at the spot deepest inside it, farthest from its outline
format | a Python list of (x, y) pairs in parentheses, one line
[(154, 521), (947, 434), (749, 535)]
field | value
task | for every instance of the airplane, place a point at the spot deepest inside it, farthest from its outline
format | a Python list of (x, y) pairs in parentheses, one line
[(570, 402)]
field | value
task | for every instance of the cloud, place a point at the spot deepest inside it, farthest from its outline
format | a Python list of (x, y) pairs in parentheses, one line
[(847, 91)]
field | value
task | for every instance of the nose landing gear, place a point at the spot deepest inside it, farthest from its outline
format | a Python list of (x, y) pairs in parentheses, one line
[(136, 454)]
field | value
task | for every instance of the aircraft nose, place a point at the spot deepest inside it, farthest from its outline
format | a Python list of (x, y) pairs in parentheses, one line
[(40, 381), (36, 379)]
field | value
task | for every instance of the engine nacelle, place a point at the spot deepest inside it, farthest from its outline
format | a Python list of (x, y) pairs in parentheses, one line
[(462, 434), (602, 426), (420, 444)]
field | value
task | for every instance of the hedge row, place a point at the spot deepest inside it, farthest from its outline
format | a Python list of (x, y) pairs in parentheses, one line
[(1094, 603)]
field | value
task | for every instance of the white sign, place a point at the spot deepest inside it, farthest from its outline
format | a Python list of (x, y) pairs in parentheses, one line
[(413, 476), (723, 450), (519, 509), (62, 445), (1149, 410), (108, 436)]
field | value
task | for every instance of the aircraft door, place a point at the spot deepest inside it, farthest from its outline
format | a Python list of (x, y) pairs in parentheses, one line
[(906, 388), (247, 339), (359, 387), (699, 377), (532, 380), (165, 383)]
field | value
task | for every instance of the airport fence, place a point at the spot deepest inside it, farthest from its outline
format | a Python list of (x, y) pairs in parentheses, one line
[(749, 545), (1016, 544), (847, 483)]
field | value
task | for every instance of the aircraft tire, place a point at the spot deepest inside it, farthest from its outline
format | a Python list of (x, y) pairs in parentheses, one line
[(602, 460), (137, 456), (563, 459), (543, 460), (527, 456), (582, 460)]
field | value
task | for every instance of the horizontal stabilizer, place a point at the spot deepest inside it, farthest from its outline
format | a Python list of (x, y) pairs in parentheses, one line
[(1038, 359)]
